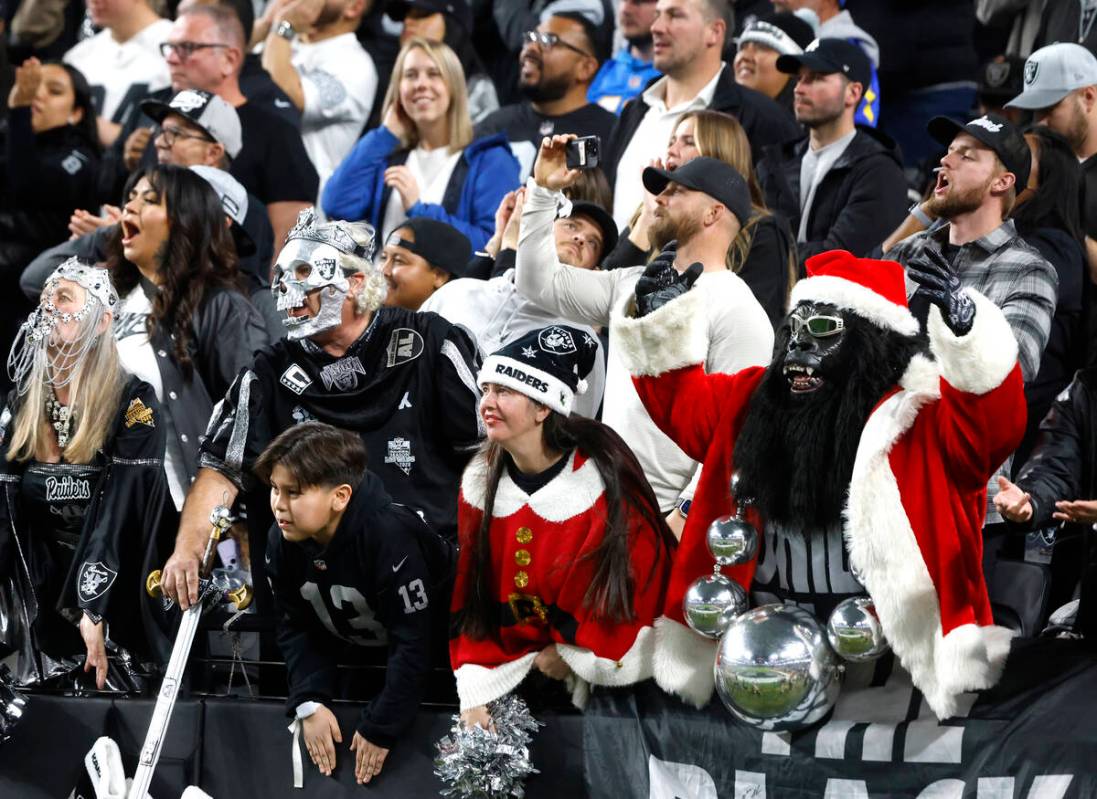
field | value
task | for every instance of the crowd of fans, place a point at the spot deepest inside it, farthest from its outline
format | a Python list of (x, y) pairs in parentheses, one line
[(179, 146)]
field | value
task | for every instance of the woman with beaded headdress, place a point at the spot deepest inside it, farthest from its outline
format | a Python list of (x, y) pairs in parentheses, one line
[(81, 487)]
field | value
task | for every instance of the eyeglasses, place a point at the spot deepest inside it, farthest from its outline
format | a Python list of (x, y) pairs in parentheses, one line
[(550, 40), (169, 135), (819, 326), (185, 49)]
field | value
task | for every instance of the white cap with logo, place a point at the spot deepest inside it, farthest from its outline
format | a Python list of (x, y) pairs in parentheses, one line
[(1053, 72)]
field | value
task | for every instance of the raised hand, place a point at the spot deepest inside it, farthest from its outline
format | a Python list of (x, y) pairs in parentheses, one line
[(550, 170), (660, 283), (939, 284), (28, 77)]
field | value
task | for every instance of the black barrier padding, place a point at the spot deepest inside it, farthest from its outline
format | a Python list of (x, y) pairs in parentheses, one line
[(240, 748), (255, 760), (128, 723), (45, 757)]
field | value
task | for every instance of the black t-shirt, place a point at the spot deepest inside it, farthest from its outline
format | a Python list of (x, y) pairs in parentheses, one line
[(1089, 196), (525, 127), (273, 164), (256, 84), (532, 483)]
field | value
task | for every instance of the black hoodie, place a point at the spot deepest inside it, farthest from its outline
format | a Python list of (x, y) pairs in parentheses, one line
[(380, 581), (859, 202)]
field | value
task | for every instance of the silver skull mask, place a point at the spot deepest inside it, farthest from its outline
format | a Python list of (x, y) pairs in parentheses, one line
[(305, 266)]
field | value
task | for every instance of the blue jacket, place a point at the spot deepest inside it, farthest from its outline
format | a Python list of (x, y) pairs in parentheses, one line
[(620, 79), (484, 174)]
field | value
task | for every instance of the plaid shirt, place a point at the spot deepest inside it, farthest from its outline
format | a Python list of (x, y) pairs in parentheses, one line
[(1014, 276)]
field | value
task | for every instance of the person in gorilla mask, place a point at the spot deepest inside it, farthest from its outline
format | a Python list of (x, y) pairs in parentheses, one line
[(865, 460)]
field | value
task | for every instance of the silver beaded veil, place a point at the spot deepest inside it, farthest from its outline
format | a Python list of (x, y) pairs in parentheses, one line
[(37, 353)]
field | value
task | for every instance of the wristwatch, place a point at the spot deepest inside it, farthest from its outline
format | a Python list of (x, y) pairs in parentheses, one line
[(683, 507), (285, 30)]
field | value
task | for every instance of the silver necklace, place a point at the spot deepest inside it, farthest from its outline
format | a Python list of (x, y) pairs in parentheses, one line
[(60, 418)]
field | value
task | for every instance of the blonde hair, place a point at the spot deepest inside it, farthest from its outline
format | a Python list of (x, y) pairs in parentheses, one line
[(374, 286), (719, 135), (458, 121), (94, 395)]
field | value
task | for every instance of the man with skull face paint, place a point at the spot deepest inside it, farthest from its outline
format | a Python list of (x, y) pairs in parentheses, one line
[(404, 381), (865, 461)]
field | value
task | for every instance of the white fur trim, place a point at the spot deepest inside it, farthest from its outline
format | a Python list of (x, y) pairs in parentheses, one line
[(478, 685), (884, 550), (572, 492), (634, 666), (854, 297), (923, 376), (981, 360), (509, 372), (683, 662), (670, 337)]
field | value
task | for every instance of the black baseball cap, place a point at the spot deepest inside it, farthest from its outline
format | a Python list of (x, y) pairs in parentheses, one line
[(827, 56), (716, 178), (600, 217), (440, 245), (997, 133), (457, 10)]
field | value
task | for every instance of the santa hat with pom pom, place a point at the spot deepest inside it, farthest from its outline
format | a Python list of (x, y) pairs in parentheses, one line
[(547, 365)]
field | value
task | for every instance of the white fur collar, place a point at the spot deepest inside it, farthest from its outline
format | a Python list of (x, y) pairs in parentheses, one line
[(571, 492)]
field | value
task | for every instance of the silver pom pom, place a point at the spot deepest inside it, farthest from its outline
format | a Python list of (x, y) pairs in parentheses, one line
[(488, 764)]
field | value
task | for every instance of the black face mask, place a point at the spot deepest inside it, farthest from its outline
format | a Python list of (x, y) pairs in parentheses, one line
[(796, 450)]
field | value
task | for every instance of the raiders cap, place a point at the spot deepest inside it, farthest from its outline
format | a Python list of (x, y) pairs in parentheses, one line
[(1053, 72), (213, 115)]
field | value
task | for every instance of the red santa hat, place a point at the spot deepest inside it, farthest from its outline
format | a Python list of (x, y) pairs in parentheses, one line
[(875, 290)]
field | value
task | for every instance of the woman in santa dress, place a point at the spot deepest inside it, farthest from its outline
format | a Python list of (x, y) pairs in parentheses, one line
[(565, 570)]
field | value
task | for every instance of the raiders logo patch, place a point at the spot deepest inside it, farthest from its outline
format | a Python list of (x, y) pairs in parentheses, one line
[(399, 454), (93, 580), (295, 379), (343, 374), (139, 413), (404, 345), (556, 340), (325, 267), (1032, 69)]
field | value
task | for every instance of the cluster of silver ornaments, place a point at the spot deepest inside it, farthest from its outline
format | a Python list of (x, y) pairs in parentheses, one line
[(712, 602)]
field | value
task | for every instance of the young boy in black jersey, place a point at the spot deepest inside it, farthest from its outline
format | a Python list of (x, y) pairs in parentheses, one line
[(347, 565)]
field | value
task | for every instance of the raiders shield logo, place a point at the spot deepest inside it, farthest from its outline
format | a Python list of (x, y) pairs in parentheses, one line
[(343, 374), (93, 580), (188, 101), (997, 74), (1032, 69), (556, 340), (325, 267)]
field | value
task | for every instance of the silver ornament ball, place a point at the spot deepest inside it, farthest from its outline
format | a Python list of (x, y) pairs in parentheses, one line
[(774, 669), (732, 541), (711, 603), (854, 630)]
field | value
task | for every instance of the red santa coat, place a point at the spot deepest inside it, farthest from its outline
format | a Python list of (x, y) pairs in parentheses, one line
[(913, 519), (538, 545)]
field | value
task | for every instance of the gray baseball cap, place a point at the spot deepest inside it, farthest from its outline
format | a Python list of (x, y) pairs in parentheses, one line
[(208, 111), (1053, 72), (234, 202)]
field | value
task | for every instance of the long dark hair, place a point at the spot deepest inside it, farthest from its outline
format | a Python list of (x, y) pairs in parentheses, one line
[(81, 99), (609, 596), (1055, 202), (198, 256)]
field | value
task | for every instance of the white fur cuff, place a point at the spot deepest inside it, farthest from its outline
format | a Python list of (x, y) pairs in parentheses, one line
[(670, 337), (478, 685), (979, 361), (683, 662)]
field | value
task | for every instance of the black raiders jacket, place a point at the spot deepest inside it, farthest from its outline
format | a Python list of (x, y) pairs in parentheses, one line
[(379, 582), (408, 386)]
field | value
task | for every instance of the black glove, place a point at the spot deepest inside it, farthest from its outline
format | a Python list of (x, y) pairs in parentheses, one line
[(939, 284), (661, 282)]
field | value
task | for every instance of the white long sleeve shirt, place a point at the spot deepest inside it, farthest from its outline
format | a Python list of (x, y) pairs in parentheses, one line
[(739, 334)]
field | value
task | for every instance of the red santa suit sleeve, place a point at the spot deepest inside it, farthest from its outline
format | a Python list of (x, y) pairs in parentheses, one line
[(541, 574)]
